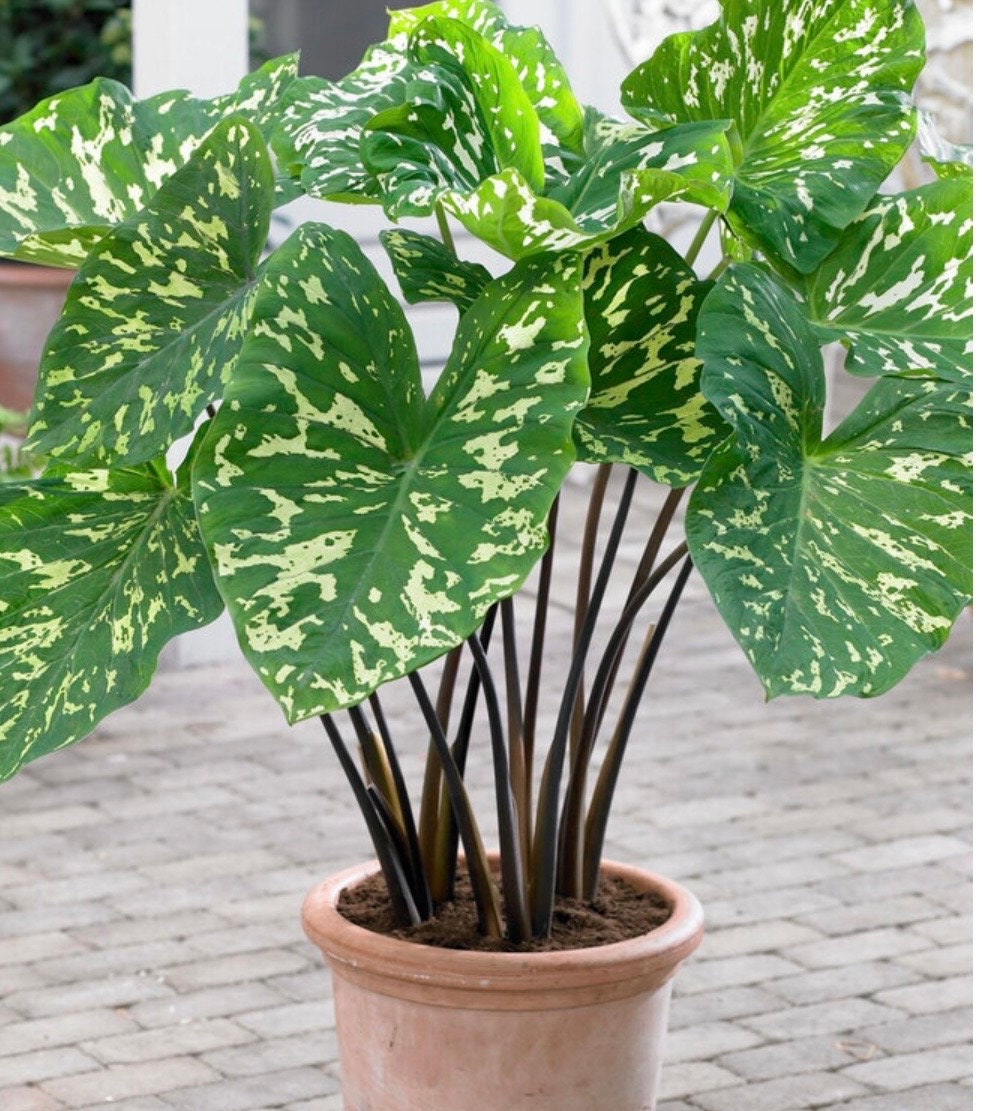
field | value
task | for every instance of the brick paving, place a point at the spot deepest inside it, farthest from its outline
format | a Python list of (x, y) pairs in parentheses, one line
[(150, 878)]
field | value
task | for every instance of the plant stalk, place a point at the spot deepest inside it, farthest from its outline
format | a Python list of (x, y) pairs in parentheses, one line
[(700, 237)]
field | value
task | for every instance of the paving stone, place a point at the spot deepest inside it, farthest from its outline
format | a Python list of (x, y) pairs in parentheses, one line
[(800, 1055), (924, 1032), (35, 947), (830, 983), (934, 1097), (946, 931), (928, 998), (791, 1093), (120, 1082), (691, 1077), (275, 1054), (870, 915), (760, 937), (28, 1099), (257, 1093), (214, 1002), (850, 949), (908, 1070), (262, 964), (838, 1016), (949, 960), (173, 1041), (27, 1068), (86, 995), (703, 975), (43, 1033), (707, 1040), (294, 1018), (899, 852)]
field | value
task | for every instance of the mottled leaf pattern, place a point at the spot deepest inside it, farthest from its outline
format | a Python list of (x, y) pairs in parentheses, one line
[(86, 160), (898, 289), (838, 563), (427, 271), (318, 137), (818, 91), (156, 315), (539, 70), (947, 159), (360, 529), (98, 570), (627, 164), (646, 410)]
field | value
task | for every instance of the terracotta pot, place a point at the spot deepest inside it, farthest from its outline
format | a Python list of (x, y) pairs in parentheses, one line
[(427, 1029), (31, 299)]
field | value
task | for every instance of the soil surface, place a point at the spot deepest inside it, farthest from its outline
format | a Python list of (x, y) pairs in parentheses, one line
[(618, 913)]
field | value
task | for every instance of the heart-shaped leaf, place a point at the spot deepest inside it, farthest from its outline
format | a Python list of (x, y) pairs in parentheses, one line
[(838, 563), (539, 70), (645, 409), (818, 91), (87, 160), (156, 315), (360, 529), (98, 570), (427, 271), (897, 290)]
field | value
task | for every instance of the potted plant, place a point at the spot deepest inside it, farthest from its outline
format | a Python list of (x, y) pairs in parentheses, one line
[(358, 529)]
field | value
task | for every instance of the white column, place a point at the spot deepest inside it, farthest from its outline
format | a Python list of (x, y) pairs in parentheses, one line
[(200, 45)]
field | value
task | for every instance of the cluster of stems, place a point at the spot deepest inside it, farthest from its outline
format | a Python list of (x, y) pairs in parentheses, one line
[(551, 840)]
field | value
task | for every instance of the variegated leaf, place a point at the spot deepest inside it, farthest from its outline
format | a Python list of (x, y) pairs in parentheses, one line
[(156, 315), (464, 117), (627, 164), (645, 409), (539, 70), (898, 288), (818, 91), (427, 271), (838, 563), (87, 160), (98, 570), (360, 529), (318, 136)]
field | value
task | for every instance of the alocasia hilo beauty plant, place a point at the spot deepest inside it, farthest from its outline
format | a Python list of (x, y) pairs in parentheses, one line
[(357, 528)]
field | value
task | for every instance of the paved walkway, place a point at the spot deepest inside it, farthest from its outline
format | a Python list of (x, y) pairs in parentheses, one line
[(150, 880)]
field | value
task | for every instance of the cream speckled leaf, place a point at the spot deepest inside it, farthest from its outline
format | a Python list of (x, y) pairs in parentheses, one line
[(837, 564), (360, 529), (645, 409), (539, 70), (156, 315), (947, 159), (628, 163), (818, 90), (464, 117), (427, 271), (98, 570), (86, 160), (898, 288)]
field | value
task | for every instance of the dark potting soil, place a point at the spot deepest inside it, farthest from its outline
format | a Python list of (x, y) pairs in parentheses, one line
[(617, 913)]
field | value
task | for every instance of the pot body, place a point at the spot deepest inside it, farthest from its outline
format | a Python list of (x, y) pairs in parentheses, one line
[(31, 300), (427, 1029)]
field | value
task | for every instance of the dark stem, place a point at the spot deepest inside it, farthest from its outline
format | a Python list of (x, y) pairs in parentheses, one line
[(535, 655), (432, 793), (512, 868), (517, 771), (400, 893), (488, 917), (547, 819), (571, 840), (596, 824), (422, 888)]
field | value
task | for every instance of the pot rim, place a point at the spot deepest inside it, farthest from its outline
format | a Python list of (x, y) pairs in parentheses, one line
[(652, 955)]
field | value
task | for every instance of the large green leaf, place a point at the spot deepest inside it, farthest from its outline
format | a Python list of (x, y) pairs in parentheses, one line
[(360, 529), (645, 408), (156, 315), (539, 70), (897, 289), (818, 91), (837, 563), (463, 117), (98, 570), (427, 271), (86, 160)]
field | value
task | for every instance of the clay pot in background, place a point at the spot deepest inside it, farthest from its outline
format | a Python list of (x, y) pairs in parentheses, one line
[(31, 299)]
